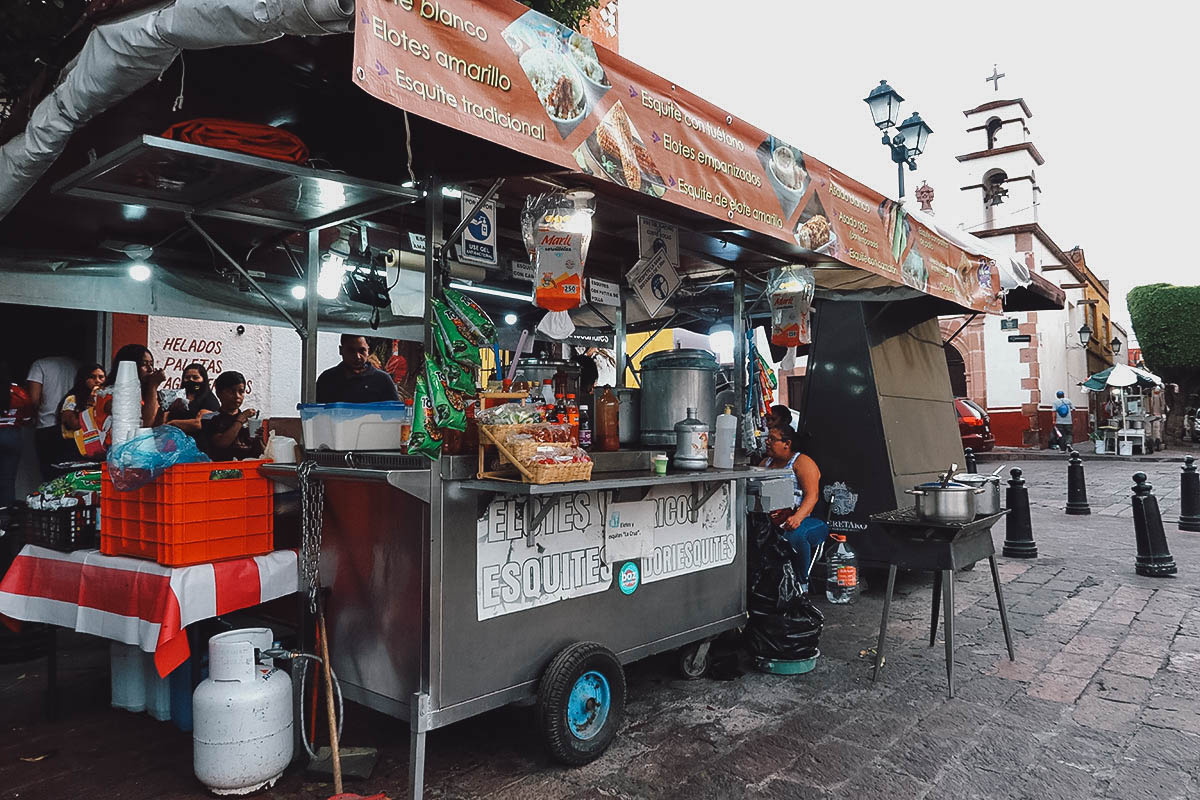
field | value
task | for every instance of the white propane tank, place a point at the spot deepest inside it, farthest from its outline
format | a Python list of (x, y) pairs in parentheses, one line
[(242, 735)]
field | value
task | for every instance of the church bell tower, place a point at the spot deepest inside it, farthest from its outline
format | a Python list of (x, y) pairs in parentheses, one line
[(1001, 167)]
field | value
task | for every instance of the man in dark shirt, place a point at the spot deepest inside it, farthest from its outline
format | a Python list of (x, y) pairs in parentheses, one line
[(354, 380)]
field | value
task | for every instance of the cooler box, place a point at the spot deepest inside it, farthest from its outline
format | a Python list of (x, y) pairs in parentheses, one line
[(191, 514), (353, 426)]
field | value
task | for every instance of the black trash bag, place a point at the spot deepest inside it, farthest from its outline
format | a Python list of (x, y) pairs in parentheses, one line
[(783, 624)]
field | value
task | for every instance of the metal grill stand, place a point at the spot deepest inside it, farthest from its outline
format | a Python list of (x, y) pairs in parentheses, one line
[(916, 544)]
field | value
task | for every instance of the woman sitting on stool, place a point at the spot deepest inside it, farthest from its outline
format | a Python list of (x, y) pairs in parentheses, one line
[(803, 529)]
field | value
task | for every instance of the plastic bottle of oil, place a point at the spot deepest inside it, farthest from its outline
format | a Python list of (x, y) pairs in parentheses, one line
[(841, 577)]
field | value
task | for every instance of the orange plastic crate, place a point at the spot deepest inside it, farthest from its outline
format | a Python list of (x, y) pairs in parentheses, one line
[(187, 517)]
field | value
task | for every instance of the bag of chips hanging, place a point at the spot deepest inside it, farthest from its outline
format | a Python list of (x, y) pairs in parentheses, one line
[(449, 337), (790, 292), (558, 270), (458, 377), (426, 437), (472, 315), (449, 406)]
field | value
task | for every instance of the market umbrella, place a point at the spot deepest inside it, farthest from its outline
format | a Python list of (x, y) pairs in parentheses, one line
[(1121, 376)]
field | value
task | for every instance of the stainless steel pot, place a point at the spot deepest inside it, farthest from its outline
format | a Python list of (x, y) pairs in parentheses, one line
[(988, 502), (672, 382), (954, 503)]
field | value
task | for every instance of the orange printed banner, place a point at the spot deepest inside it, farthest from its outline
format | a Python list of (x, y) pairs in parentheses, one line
[(510, 75)]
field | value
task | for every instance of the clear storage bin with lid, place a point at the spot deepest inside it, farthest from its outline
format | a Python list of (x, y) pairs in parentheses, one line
[(353, 426)]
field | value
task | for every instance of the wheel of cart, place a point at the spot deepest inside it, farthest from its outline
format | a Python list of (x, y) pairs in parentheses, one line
[(692, 660), (581, 702)]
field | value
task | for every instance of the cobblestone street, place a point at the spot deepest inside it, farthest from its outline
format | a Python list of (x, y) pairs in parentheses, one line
[(1102, 701)]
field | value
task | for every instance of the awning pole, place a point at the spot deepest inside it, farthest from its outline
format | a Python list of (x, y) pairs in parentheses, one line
[(433, 253), (241, 271), (619, 337), (962, 328), (740, 366), (312, 301)]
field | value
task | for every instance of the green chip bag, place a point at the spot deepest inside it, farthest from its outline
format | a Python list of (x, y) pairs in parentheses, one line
[(449, 406), (472, 315), (458, 378), (454, 344), (426, 437)]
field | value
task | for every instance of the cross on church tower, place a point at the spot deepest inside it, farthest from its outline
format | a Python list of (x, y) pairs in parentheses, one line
[(995, 77)]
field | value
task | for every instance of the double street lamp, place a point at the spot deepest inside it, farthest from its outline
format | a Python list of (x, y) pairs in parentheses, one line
[(911, 134), (1085, 336)]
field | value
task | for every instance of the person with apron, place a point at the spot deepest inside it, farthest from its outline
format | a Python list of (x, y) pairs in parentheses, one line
[(802, 525)]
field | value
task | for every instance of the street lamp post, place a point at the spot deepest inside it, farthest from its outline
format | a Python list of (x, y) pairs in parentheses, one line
[(911, 134), (1115, 344), (1085, 335)]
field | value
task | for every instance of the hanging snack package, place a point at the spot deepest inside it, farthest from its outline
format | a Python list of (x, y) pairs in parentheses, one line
[(426, 437), (449, 406), (558, 270), (790, 292), (472, 315), (449, 337), (459, 378)]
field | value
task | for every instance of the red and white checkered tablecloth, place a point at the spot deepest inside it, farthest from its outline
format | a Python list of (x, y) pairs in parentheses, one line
[(139, 602)]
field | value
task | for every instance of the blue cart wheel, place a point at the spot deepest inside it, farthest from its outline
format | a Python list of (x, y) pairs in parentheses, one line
[(581, 702)]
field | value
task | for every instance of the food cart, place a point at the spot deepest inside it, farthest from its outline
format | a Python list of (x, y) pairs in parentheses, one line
[(449, 593)]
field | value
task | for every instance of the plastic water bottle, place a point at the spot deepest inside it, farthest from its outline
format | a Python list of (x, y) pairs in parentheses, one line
[(841, 575)]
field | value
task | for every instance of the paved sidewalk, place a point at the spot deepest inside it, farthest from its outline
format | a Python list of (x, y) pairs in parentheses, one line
[(1102, 701)]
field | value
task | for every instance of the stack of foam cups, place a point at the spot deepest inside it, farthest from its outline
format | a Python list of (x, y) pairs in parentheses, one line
[(127, 403)]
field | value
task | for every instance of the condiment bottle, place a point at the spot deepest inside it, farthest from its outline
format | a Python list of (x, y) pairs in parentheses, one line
[(406, 423), (608, 421), (573, 416), (547, 394), (585, 426), (725, 440), (559, 412)]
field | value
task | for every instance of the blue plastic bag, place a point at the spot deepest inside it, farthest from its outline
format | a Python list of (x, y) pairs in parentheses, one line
[(138, 461)]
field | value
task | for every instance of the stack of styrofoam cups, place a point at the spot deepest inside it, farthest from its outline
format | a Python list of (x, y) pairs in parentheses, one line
[(127, 403)]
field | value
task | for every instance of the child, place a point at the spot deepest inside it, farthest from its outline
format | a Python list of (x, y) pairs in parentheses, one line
[(223, 436)]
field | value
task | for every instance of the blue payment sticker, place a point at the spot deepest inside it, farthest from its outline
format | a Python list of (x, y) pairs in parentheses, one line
[(629, 577)]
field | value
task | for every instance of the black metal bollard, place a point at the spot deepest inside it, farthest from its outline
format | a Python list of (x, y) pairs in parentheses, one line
[(1189, 497), (1153, 557), (1077, 502), (1018, 528), (969, 456)]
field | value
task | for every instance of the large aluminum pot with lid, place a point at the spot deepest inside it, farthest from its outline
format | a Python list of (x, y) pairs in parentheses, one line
[(672, 382), (987, 502), (950, 503)]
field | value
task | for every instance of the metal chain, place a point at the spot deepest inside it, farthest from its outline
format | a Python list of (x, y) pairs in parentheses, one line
[(312, 510)]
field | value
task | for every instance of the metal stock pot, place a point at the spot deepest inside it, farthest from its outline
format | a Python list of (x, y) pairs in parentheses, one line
[(988, 502), (672, 382), (953, 503)]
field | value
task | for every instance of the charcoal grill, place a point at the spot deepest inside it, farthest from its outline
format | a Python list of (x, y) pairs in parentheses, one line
[(942, 548)]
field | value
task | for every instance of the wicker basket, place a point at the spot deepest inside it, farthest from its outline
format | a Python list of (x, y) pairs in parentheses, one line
[(559, 473), (519, 449)]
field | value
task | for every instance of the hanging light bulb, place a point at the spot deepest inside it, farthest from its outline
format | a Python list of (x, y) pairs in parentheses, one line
[(299, 292)]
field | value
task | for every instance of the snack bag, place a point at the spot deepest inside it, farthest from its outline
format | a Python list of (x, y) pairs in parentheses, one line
[(458, 378), (426, 437), (790, 292), (558, 270), (450, 338), (471, 314), (449, 406)]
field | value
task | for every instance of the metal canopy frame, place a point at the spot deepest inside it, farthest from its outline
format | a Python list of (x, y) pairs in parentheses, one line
[(226, 185), (243, 188)]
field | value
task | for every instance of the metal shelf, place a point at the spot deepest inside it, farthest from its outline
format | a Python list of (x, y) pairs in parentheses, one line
[(621, 480)]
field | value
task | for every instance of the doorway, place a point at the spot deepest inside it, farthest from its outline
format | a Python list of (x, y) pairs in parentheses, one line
[(958, 371)]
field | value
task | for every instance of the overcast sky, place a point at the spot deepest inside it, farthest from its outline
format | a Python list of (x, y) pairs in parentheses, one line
[(1113, 93)]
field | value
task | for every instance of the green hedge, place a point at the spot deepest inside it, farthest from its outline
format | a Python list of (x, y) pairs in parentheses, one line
[(1166, 320)]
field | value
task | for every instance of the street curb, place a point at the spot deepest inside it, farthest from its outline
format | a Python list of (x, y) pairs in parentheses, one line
[(1004, 456)]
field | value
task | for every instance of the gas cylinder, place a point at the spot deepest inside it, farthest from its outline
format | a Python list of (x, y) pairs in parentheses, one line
[(242, 739)]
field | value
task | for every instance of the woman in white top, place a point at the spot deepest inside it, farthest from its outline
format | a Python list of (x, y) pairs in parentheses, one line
[(803, 529)]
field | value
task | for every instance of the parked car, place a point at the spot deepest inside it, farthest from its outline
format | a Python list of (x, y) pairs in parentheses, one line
[(974, 425)]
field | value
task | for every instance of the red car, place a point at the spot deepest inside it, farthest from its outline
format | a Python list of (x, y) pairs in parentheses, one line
[(974, 425)]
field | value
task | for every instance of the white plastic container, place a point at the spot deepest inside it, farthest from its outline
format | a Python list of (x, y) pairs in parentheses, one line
[(136, 685), (725, 440), (242, 739), (352, 426)]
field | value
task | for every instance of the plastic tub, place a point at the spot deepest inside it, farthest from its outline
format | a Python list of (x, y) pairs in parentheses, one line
[(191, 514), (352, 426)]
